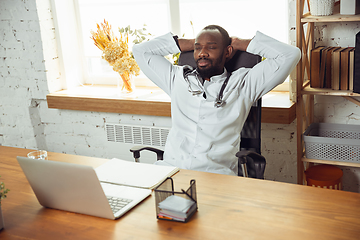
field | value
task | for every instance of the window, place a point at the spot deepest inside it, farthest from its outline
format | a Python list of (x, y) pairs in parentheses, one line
[(119, 14), (183, 17), (240, 18)]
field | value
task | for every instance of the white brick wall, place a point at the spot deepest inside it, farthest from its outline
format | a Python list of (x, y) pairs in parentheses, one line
[(29, 60), (279, 148)]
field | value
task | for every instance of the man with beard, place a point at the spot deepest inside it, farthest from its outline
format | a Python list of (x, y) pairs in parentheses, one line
[(205, 134)]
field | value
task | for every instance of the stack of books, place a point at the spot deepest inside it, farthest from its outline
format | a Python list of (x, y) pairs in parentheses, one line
[(176, 208), (357, 64), (332, 67)]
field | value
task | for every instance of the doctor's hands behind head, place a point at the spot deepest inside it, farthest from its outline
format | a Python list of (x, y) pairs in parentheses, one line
[(238, 44)]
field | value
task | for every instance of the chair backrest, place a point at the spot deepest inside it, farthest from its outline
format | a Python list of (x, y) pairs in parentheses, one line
[(251, 132)]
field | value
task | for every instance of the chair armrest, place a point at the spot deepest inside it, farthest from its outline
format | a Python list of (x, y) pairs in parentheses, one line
[(136, 152), (254, 162)]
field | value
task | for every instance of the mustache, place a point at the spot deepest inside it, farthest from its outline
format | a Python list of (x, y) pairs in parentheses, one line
[(203, 58)]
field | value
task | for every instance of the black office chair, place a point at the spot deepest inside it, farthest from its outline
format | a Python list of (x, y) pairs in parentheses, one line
[(251, 163)]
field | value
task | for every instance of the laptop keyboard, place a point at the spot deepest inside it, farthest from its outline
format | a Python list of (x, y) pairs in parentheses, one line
[(117, 204)]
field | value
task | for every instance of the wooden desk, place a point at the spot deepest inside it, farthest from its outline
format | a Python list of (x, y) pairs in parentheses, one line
[(229, 208)]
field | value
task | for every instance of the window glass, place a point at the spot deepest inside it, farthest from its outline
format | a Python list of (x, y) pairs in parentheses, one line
[(119, 14), (241, 18)]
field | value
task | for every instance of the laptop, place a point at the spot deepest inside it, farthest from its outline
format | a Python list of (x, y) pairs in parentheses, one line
[(76, 188)]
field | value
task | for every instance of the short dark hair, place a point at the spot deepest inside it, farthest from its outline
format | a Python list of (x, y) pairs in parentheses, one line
[(223, 32)]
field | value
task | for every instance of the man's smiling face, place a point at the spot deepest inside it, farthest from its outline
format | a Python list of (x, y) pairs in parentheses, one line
[(209, 53)]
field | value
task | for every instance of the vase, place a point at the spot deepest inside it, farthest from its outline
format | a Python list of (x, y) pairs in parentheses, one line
[(126, 84), (322, 7), (1, 219)]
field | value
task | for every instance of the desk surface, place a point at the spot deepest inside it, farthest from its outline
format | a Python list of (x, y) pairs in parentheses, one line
[(229, 208)]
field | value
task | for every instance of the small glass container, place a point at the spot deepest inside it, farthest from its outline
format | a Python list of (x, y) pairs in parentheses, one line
[(38, 154)]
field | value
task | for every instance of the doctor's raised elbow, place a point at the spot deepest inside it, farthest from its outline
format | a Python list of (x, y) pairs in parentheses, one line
[(297, 54)]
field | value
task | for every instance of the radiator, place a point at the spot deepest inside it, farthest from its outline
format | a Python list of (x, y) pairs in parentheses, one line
[(134, 134)]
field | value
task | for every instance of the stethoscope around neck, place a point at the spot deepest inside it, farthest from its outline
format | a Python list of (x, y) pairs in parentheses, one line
[(189, 71)]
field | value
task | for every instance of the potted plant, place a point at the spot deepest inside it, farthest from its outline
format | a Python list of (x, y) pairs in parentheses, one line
[(3, 192)]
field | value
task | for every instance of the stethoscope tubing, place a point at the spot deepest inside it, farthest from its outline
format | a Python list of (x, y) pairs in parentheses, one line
[(219, 102)]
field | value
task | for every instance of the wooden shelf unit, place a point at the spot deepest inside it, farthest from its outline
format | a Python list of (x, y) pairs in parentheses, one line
[(329, 92), (305, 94)]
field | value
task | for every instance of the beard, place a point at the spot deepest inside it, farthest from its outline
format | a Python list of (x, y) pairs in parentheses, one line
[(211, 70), (206, 73)]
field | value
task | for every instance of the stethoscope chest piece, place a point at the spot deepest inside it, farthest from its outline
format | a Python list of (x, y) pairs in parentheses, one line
[(219, 103)]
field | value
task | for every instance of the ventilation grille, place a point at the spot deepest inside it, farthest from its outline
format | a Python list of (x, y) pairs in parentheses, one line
[(142, 135)]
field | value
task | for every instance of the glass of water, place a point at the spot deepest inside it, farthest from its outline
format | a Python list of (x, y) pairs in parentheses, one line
[(38, 154)]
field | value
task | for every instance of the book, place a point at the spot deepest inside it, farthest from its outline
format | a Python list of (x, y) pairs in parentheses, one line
[(328, 69), (323, 60), (134, 174), (315, 65), (344, 69), (335, 69), (357, 64), (351, 69)]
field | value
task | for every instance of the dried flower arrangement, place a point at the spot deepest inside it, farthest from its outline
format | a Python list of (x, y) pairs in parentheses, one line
[(116, 50)]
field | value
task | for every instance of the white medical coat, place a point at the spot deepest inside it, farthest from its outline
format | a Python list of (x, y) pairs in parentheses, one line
[(203, 137)]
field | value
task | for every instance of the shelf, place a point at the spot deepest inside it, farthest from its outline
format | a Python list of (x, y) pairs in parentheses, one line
[(338, 163), (328, 92), (336, 17), (305, 30)]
